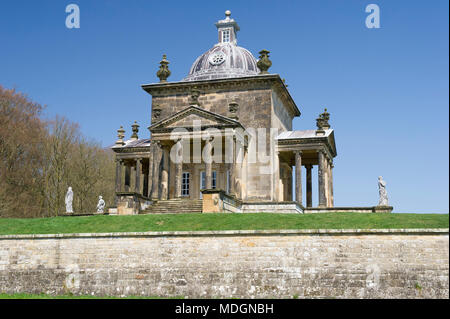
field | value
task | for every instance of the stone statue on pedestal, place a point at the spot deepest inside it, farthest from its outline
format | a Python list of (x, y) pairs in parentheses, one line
[(100, 205), (68, 200), (382, 191)]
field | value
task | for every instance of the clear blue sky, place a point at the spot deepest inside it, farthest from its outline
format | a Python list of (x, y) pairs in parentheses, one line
[(386, 89)]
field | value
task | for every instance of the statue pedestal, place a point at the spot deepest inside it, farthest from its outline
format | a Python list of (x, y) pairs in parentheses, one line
[(383, 209), (129, 203)]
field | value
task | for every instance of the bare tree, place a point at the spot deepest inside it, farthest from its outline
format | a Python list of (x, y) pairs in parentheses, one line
[(39, 159), (58, 148), (85, 173)]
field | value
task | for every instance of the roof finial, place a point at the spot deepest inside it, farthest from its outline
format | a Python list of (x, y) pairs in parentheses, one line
[(322, 121), (227, 14), (135, 129), (264, 62), (120, 135), (163, 72)]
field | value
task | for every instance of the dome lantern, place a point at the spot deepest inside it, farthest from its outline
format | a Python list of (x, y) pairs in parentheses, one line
[(227, 29)]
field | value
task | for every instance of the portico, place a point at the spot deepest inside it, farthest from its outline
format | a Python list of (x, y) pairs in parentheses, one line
[(190, 151), (305, 160), (311, 148)]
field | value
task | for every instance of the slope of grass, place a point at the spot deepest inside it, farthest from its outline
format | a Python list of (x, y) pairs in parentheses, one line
[(197, 222)]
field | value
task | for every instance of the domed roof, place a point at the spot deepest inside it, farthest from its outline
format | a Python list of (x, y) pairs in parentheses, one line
[(225, 59)]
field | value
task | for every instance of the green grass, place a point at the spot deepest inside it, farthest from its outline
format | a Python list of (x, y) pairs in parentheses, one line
[(196, 222), (45, 296)]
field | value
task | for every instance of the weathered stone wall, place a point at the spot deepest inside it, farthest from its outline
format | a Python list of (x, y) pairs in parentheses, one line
[(280, 118), (282, 264), (254, 104)]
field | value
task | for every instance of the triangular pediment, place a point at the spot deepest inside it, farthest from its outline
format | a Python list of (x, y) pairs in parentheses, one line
[(194, 116)]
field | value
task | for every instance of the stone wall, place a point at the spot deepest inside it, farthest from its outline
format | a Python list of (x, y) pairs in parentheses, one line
[(280, 264), (281, 118), (254, 104)]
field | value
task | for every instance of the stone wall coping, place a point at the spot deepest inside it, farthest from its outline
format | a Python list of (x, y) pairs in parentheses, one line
[(283, 232), (269, 203), (349, 208)]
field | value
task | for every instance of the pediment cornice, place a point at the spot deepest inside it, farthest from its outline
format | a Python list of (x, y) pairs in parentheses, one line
[(210, 120)]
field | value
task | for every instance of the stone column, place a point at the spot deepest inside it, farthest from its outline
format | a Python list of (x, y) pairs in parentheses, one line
[(326, 182), (309, 185), (208, 164), (331, 185), (290, 194), (321, 175), (137, 184), (239, 173), (278, 180), (156, 166), (165, 174), (150, 172), (232, 166), (127, 176), (118, 175), (178, 168), (145, 186), (285, 180), (298, 177), (328, 185)]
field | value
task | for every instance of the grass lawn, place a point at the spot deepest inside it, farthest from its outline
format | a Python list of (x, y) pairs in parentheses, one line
[(196, 222)]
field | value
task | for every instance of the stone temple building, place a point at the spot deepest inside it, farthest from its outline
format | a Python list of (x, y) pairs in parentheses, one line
[(222, 141)]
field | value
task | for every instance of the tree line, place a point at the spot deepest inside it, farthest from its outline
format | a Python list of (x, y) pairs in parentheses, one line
[(41, 158)]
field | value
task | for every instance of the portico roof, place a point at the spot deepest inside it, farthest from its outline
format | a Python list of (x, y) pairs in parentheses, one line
[(302, 134), (137, 143), (307, 139), (132, 145)]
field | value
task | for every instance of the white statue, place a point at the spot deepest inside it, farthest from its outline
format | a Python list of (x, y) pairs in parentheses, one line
[(100, 205), (382, 191), (69, 200)]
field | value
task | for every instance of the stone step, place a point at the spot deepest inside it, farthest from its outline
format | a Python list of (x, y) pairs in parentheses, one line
[(175, 206), (179, 208), (170, 212)]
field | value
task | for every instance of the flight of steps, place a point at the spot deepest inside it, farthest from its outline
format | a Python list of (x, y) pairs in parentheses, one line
[(175, 206)]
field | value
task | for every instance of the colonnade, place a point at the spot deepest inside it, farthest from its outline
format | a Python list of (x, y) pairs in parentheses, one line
[(325, 180), (155, 170)]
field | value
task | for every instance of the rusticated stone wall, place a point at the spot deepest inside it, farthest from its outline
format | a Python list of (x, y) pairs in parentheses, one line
[(280, 264)]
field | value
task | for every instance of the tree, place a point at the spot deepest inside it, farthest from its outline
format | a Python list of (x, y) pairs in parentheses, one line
[(40, 159), (91, 174), (58, 148), (22, 135)]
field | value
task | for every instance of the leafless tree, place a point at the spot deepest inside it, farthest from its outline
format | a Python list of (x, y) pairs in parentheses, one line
[(40, 158)]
